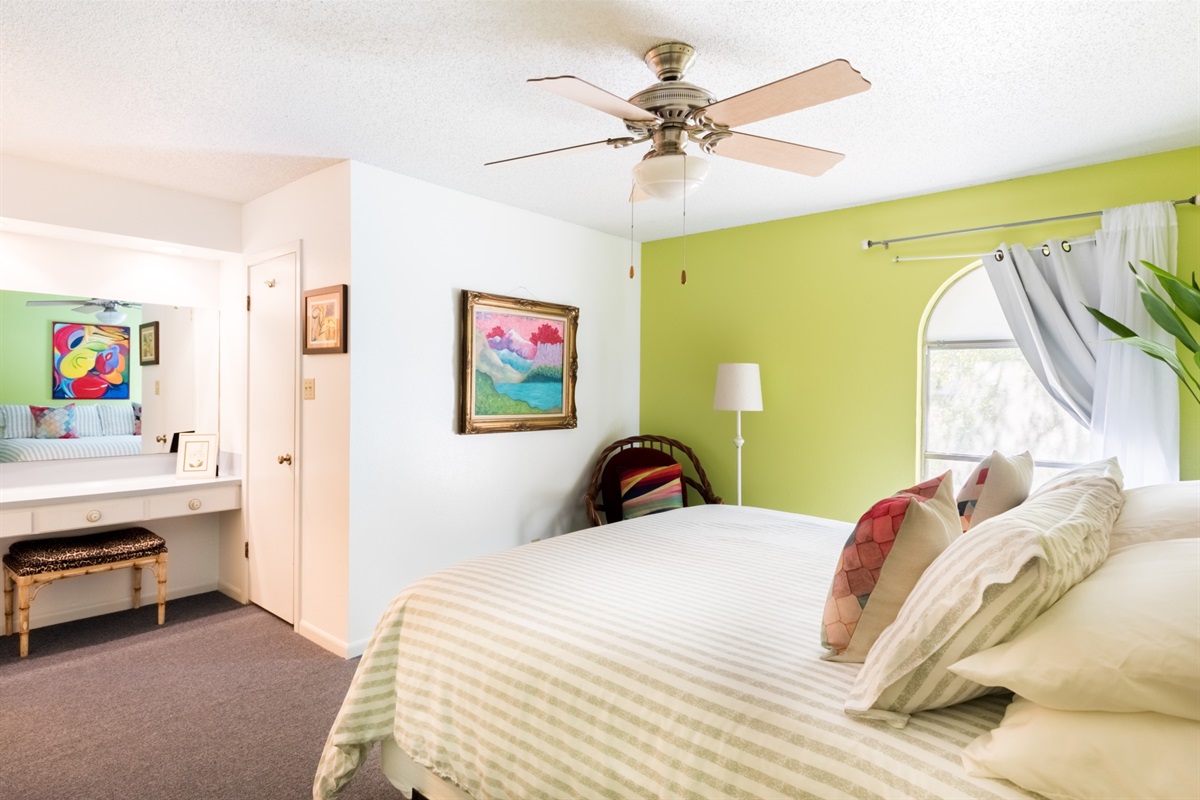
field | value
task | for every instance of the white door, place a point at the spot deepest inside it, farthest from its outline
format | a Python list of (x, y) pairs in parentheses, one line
[(271, 433)]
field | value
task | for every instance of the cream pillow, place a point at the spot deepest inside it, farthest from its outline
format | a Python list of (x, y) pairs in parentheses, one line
[(892, 544), (1127, 638), (1105, 468), (1097, 755), (981, 591), (1162, 511), (997, 484)]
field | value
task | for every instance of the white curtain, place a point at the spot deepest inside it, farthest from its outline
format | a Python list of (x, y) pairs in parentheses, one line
[(1129, 401)]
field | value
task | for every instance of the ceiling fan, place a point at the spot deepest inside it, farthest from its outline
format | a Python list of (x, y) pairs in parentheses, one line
[(107, 311), (672, 113)]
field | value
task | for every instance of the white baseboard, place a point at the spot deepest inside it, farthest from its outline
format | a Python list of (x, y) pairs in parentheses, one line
[(330, 642), (231, 590), (123, 604)]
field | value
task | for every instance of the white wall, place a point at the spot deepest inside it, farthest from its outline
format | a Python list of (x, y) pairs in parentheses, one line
[(316, 210), (423, 496), (51, 194)]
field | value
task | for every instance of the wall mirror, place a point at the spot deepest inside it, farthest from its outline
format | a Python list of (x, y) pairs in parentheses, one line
[(177, 389)]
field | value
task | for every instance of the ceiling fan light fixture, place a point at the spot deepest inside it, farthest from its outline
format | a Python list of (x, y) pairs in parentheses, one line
[(670, 177), (110, 316)]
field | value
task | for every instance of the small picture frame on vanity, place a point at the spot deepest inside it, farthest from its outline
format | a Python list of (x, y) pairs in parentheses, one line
[(197, 456)]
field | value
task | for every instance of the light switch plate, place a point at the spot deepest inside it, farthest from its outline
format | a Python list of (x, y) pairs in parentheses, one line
[(310, 388)]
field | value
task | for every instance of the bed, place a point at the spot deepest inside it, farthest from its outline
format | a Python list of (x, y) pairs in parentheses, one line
[(673, 656), (12, 450), (47, 433)]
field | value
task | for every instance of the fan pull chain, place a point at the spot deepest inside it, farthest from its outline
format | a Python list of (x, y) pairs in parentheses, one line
[(683, 271), (631, 235)]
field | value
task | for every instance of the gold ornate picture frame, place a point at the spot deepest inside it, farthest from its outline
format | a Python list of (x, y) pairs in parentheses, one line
[(519, 364)]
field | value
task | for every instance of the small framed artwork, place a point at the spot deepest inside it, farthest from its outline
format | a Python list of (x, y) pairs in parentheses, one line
[(325, 320), (518, 364), (148, 343), (197, 456)]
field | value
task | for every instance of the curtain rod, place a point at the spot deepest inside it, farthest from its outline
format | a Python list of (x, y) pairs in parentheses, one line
[(1066, 246), (868, 244)]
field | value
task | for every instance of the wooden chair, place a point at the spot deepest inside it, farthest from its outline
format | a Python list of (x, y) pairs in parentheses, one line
[(631, 453)]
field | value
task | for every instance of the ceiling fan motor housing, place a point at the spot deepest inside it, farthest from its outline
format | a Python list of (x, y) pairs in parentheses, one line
[(670, 60)]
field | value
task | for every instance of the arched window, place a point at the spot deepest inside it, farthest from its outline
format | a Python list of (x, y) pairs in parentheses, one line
[(979, 393)]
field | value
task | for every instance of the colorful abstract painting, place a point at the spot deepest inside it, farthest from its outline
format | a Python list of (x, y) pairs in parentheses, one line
[(90, 361), (520, 364)]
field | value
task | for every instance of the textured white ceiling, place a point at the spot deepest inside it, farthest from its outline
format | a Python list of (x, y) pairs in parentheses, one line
[(233, 99)]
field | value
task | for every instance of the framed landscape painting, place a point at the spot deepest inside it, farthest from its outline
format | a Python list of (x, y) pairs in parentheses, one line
[(518, 364)]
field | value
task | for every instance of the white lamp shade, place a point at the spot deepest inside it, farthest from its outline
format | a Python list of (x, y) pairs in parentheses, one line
[(670, 177), (112, 317), (738, 388)]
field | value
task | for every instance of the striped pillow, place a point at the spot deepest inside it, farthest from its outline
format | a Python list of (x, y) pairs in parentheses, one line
[(117, 420), (997, 484), (87, 421), (981, 591), (18, 421), (650, 490), (54, 423)]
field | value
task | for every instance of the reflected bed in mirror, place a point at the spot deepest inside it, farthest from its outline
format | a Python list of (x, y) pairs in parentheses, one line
[(121, 406)]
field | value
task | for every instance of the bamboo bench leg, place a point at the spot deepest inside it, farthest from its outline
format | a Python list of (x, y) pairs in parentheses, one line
[(8, 598), (23, 613), (137, 586), (160, 571)]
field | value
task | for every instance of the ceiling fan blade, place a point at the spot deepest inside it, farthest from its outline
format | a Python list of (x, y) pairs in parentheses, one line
[(774, 153), (573, 88), (562, 150), (89, 308), (30, 303), (802, 90)]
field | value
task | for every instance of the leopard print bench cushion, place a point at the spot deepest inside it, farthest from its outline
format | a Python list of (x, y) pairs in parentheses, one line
[(34, 556)]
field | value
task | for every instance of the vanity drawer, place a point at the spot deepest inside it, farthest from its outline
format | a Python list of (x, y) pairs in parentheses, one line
[(70, 516), (16, 523), (201, 500)]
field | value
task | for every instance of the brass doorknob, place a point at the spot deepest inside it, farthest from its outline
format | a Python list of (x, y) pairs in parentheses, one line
[(285, 459), (161, 438)]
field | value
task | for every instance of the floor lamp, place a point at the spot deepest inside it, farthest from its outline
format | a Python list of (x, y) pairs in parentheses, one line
[(738, 389)]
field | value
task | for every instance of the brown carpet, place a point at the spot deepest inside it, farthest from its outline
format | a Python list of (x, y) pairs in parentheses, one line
[(223, 701)]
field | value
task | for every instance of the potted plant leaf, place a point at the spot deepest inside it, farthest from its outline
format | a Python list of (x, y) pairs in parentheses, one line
[(1184, 305)]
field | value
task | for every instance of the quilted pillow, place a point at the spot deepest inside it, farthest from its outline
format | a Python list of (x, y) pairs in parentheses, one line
[(997, 484), (1125, 639), (981, 591), (890, 547), (18, 421), (650, 490), (54, 423), (1092, 754)]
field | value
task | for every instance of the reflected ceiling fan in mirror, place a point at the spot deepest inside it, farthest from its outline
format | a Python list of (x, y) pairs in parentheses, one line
[(108, 312), (672, 113)]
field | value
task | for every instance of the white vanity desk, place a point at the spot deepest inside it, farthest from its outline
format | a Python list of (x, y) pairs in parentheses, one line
[(30, 510)]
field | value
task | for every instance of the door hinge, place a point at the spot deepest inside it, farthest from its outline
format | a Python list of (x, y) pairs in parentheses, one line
[(247, 549), (247, 302)]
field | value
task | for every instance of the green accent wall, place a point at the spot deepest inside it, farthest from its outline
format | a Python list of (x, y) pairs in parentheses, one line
[(835, 327), (25, 349)]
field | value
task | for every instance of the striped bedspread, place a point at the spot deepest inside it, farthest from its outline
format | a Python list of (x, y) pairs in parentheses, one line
[(53, 449), (671, 656)]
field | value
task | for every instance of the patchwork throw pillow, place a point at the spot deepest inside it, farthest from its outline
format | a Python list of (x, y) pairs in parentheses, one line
[(1093, 754), (1127, 638), (650, 490), (983, 590), (18, 421), (1154, 513), (890, 547), (997, 484), (54, 423)]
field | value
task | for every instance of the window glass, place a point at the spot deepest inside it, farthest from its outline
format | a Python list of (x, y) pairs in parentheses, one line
[(980, 394)]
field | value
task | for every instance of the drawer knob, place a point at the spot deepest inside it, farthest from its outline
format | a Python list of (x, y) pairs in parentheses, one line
[(194, 504), (93, 516)]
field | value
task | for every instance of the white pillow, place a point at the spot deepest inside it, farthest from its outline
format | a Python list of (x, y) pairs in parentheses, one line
[(1162, 511), (982, 590), (117, 420), (87, 421), (1127, 638), (1097, 755), (1105, 468)]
